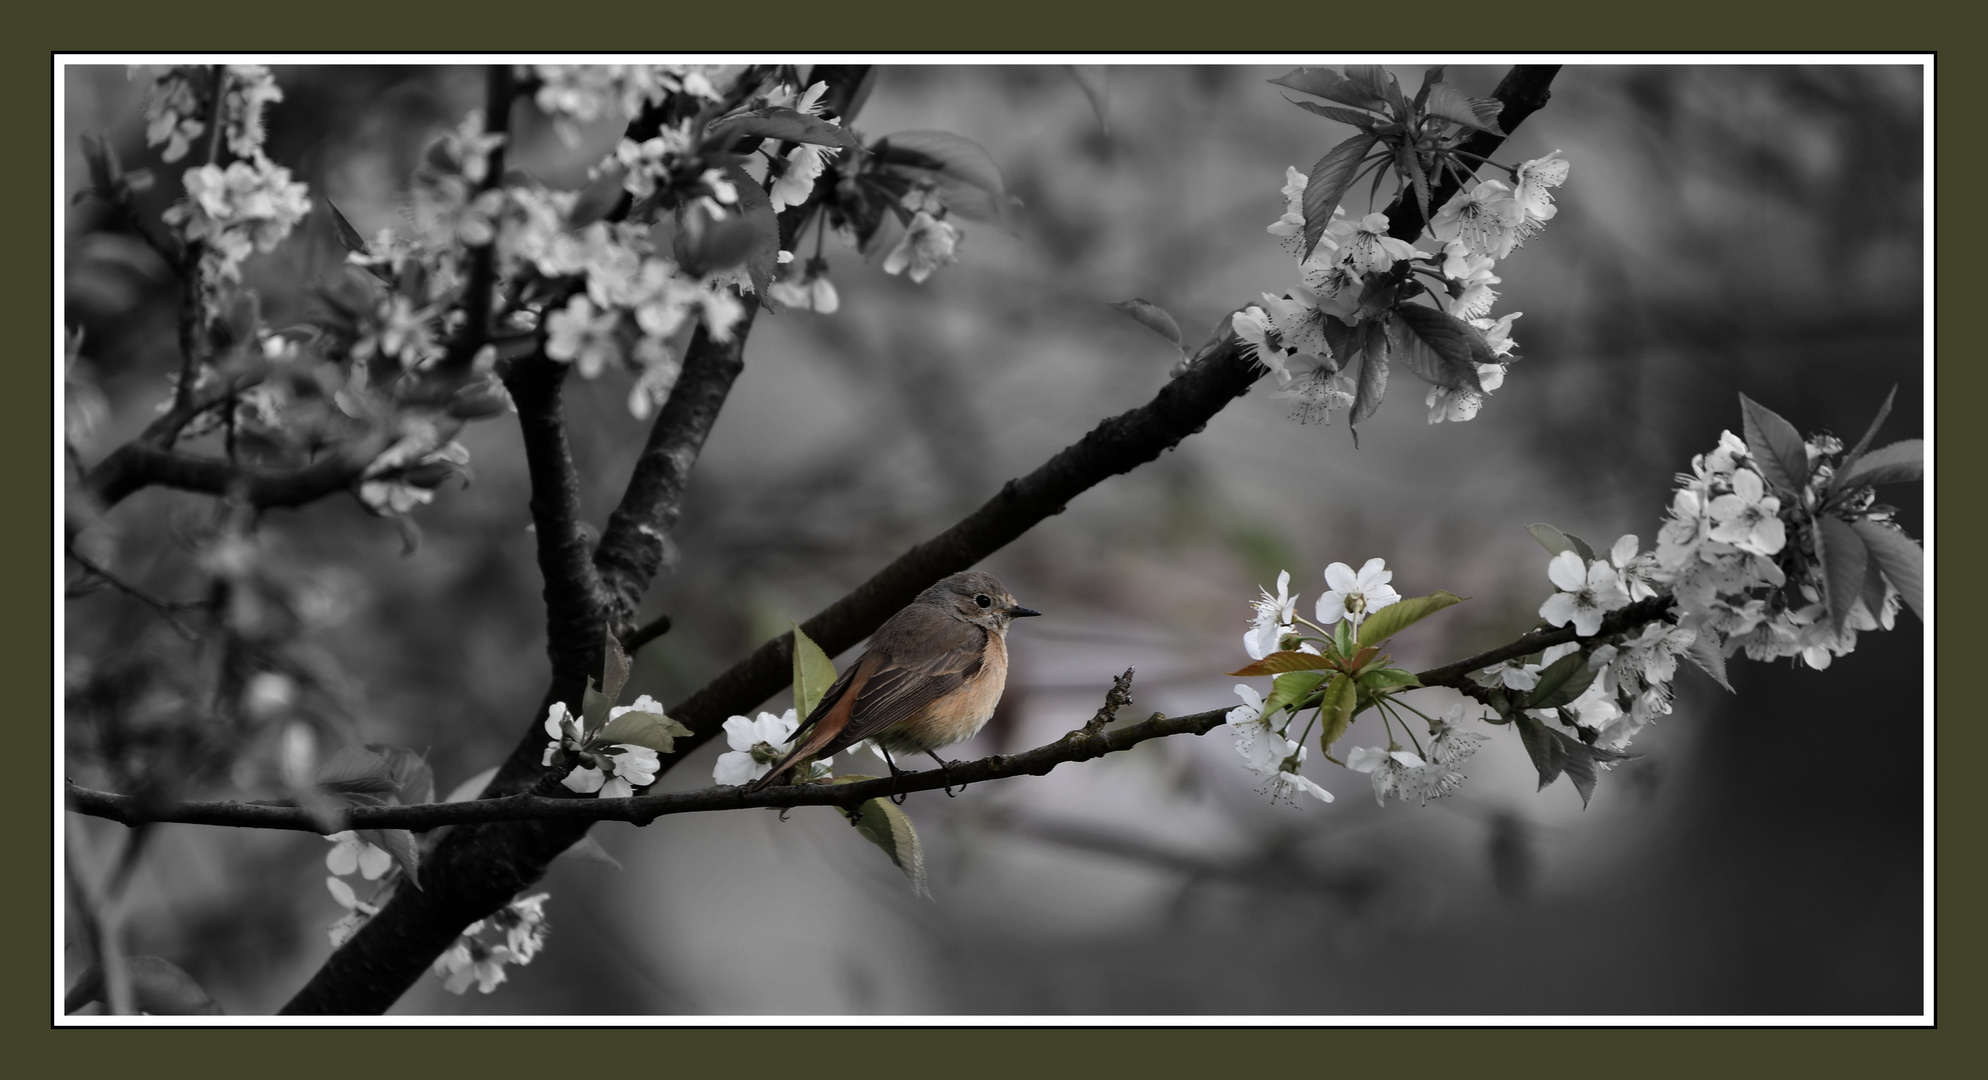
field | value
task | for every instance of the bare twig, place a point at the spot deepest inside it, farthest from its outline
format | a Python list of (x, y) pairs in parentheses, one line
[(167, 609)]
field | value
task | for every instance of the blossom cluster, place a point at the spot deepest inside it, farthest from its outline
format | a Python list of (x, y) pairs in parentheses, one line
[(608, 771), (516, 933), (579, 94), (1746, 566), (249, 204), (1404, 774), (1476, 228)]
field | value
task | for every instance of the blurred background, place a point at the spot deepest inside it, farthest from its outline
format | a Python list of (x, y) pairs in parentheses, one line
[(1723, 230)]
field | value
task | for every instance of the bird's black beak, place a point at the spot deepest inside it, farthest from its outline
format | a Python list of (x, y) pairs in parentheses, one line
[(1019, 612)]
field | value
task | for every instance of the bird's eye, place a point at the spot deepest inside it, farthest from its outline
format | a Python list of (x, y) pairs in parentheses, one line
[(983, 600)]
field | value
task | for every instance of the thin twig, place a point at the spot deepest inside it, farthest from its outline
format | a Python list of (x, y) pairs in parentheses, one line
[(167, 609)]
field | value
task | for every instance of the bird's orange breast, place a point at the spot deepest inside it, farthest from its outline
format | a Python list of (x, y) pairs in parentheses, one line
[(959, 715)]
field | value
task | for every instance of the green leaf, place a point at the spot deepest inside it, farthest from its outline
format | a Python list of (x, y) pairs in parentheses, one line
[(1342, 638), (1364, 121), (789, 125), (412, 777), (1776, 447), (1335, 710), (1373, 378), (1555, 541), (1430, 77), (472, 787), (1902, 560), (814, 673), (1561, 682), (1554, 752), (1385, 679), (1704, 651), (1279, 662), (1850, 459), (1332, 86), (1451, 104), (643, 728), (887, 827), (1153, 317), (1843, 557), (356, 771), (614, 666), (1095, 81), (1330, 177), (590, 850), (1401, 614), (594, 707), (1898, 463), (398, 843), (1378, 82), (1434, 345), (967, 180), (158, 988), (1408, 163), (1291, 688)]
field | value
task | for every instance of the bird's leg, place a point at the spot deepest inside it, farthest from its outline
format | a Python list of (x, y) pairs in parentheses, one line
[(945, 773), (895, 772)]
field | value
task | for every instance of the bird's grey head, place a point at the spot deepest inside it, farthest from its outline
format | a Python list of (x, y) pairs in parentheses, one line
[(977, 597)]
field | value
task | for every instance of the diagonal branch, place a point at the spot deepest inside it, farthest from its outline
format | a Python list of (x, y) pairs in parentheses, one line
[(143, 463), (1523, 90)]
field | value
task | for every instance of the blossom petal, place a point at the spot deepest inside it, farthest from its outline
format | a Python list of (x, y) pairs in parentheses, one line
[(1567, 571)]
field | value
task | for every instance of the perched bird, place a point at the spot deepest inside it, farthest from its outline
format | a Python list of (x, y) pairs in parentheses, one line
[(931, 676)]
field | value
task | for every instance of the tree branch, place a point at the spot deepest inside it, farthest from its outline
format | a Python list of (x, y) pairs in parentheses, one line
[(1523, 90), (144, 463), (572, 589)]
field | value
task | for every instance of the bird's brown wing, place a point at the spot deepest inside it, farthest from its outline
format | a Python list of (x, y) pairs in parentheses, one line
[(830, 716), (948, 655)]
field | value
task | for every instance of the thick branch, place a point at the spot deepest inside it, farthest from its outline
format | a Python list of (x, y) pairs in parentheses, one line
[(141, 464), (1523, 90), (572, 588)]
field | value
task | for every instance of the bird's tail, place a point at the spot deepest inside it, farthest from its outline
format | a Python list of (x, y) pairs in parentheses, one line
[(817, 738)]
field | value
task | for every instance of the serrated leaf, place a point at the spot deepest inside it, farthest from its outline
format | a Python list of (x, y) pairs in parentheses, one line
[(1841, 552), (1430, 77), (590, 850), (158, 988), (1291, 688), (348, 237), (1900, 462), (774, 122), (1389, 679), (1332, 86), (1363, 121), (814, 673), (1378, 82), (1449, 103), (1373, 378), (594, 707), (412, 778), (1344, 341), (1903, 562), (1776, 447), (1279, 662), (969, 182), (472, 787), (1434, 345), (1704, 651), (1850, 459), (1398, 616), (1335, 710), (1153, 317), (753, 207), (887, 827), (1555, 752), (1327, 184), (1408, 163), (356, 769), (1555, 541), (398, 843), (1561, 682), (643, 728), (1095, 81)]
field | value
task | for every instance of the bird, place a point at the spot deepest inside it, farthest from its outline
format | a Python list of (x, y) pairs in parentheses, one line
[(930, 677)]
